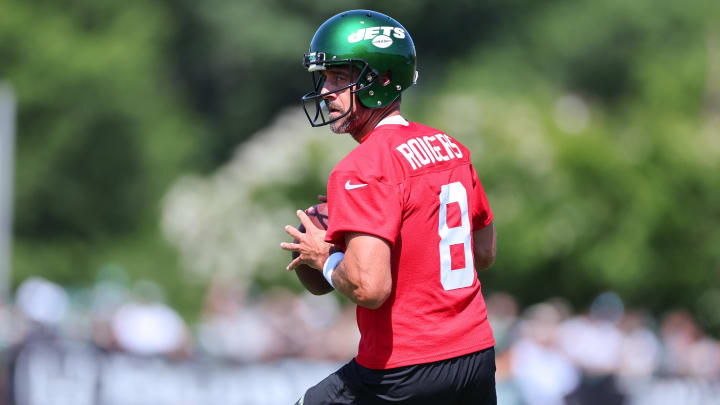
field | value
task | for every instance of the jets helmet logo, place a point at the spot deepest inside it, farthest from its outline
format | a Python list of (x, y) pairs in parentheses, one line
[(381, 36)]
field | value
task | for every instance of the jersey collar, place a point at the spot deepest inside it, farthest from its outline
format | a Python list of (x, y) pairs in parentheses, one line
[(393, 119)]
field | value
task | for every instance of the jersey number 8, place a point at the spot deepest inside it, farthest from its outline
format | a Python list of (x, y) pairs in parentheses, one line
[(461, 277)]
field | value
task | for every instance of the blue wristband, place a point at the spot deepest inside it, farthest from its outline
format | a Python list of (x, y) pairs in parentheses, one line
[(330, 264)]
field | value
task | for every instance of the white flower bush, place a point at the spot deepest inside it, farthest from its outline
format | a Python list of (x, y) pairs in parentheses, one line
[(217, 222)]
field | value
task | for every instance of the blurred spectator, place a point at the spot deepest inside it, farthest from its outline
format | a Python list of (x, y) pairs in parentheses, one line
[(42, 301), (687, 352), (704, 359), (230, 327), (333, 330), (146, 326), (502, 313), (678, 332), (503, 316), (107, 297), (281, 324), (77, 324), (281, 310), (640, 348), (593, 343), (548, 355), (543, 373), (12, 326)]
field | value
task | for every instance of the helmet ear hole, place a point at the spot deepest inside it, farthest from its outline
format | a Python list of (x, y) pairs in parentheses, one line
[(385, 78)]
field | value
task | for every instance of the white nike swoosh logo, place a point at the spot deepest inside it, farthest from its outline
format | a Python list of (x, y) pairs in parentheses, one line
[(349, 186)]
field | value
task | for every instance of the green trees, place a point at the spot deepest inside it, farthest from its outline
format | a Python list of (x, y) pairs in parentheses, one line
[(101, 133), (594, 127)]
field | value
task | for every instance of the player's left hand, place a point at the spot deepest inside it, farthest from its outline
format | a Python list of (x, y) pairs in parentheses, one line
[(311, 245)]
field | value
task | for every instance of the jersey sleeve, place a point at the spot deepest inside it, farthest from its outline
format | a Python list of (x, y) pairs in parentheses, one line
[(362, 203), (481, 215)]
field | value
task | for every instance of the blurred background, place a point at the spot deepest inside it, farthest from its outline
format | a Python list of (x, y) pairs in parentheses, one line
[(151, 152)]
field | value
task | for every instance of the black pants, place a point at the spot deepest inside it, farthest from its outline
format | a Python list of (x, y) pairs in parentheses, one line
[(468, 379)]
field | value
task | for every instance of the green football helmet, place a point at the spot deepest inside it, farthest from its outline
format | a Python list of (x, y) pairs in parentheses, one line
[(371, 45)]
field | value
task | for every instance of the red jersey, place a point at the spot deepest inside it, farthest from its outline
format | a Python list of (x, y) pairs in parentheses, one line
[(415, 187)]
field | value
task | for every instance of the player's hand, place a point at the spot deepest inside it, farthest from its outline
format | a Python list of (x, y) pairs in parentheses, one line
[(311, 245), (322, 198)]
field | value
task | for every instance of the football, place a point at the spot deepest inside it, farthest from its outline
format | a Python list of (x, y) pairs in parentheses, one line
[(310, 278)]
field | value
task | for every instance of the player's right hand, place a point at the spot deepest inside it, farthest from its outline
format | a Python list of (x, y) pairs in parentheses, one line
[(311, 245)]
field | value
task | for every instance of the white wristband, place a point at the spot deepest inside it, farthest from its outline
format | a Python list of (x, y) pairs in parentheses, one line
[(330, 264)]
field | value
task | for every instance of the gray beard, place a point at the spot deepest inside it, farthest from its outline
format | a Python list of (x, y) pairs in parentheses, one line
[(344, 126)]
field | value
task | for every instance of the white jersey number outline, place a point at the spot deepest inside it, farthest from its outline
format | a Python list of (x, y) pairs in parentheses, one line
[(463, 277)]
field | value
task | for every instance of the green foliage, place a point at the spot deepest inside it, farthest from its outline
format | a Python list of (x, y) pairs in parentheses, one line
[(594, 126), (100, 134), (624, 199)]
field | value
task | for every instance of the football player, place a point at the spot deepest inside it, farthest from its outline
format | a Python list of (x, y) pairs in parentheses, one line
[(408, 212)]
